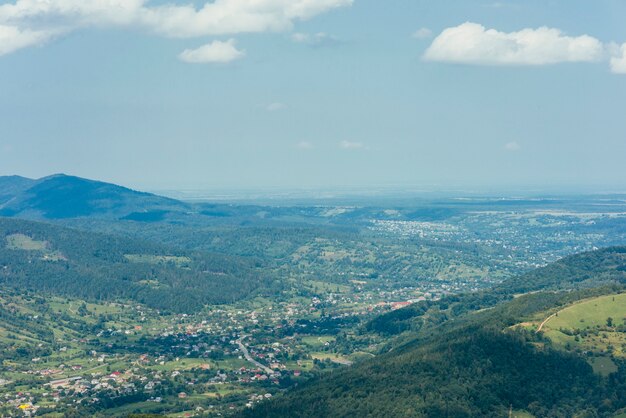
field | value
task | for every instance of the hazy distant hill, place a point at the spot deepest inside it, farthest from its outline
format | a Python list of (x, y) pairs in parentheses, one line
[(46, 258), (12, 186), (460, 361), (61, 196)]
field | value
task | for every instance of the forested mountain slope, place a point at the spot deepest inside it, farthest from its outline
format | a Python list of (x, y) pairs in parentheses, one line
[(47, 258), (458, 360), (61, 196), (602, 267), (11, 186)]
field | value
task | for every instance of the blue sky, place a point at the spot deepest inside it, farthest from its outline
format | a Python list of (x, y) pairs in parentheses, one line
[(315, 93)]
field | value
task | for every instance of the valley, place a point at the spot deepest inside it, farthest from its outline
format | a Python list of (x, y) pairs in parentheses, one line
[(194, 314)]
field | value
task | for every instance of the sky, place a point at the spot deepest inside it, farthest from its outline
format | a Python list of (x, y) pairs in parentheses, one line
[(233, 94)]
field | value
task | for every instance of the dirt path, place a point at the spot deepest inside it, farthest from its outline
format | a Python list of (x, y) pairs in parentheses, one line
[(545, 321), (72, 310)]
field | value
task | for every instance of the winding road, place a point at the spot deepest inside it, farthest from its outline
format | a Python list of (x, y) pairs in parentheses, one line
[(248, 357)]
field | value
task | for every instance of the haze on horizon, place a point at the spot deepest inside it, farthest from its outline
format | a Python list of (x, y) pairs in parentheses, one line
[(328, 94)]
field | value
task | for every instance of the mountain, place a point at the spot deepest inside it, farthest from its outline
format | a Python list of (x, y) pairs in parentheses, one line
[(61, 196), (49, 259), (458, 360), (11, 186)]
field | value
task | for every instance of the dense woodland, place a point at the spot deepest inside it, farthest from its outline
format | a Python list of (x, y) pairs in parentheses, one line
[(97, 267)]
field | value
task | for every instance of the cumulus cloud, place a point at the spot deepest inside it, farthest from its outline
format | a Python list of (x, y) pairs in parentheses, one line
[(215, 52), (349, 145), (512, 146), (305, 145), (618, 60), (319, 39), (213, 18), (423, 33), (13, 38), (472, 43)]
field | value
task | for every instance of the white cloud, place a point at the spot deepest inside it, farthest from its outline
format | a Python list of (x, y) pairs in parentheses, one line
[(215, 52), (274, 107), (423, 33), (218, 17), (472, 43), (319, 39), (13, 38), (618, 60), (305, 145), (352, 145), (512, 146)]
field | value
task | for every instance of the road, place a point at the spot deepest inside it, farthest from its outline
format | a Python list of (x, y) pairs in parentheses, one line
[(248, 357)]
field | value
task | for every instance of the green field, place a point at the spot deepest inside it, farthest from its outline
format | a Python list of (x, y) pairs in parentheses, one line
[(585, 325), (317, 341), (591, 313)]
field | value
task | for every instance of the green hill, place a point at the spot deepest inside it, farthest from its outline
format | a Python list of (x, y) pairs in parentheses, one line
[(50, 259), (595, 325), (464, 356), (474, 366), (603, 267), (583, 270)]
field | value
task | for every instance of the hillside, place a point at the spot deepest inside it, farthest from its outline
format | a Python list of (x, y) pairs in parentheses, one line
[(467, 356), (61, 196), (593, 325), (583, 270), (12, 186), (50, 259), (602, 267), (476, 366)]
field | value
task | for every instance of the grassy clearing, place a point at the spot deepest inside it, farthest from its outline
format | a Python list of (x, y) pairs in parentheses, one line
[(157, 259), (304, 365), (317, 341), (585, 326), (603, 366), (591, 313), (335, 358), (26, 243)]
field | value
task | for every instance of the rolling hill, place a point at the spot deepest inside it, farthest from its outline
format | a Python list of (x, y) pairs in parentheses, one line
[(467, 355), (61, 196), (604, 267), (49, 259)]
